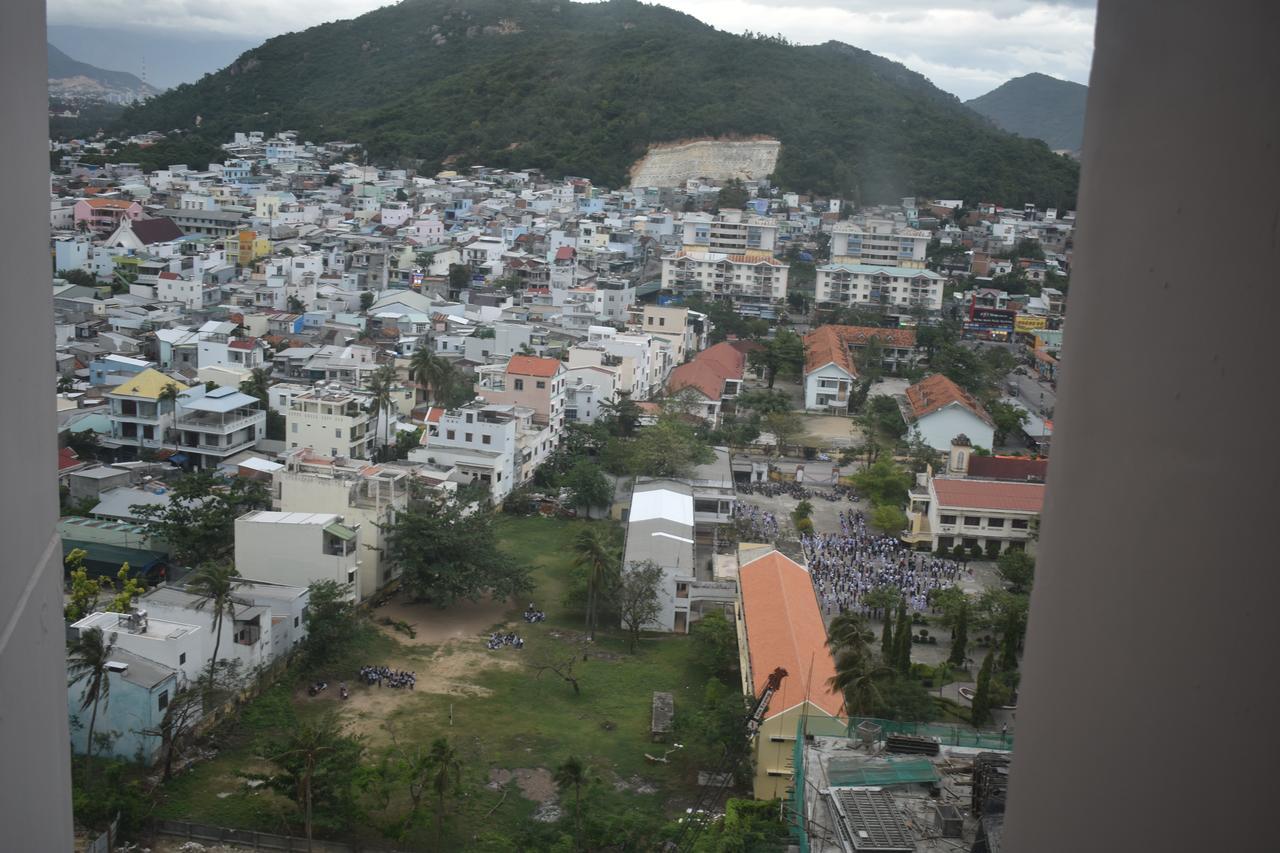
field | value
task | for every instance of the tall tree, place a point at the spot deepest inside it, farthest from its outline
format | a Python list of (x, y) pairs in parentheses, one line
[(446, 775), (168, 398), (982, 693), (381, 390), (621, 416), (716, 642), (445, 555), (1017, 568), (670, 448), (572, 774), (637, 597), (902, 640), (886, 639), (785, 426), (199, 520), (588, 487), (87, 661), (318, 761), (214, 584), (333, 621), (859, 678), (595, 554), (784, 353), (960, 637), (434, 372), (257, 384)]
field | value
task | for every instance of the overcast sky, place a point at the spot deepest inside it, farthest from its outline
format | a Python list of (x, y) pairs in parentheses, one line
[(964, 47)]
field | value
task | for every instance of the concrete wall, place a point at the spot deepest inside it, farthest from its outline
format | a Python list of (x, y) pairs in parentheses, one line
[(1147, 709), (35, 775)]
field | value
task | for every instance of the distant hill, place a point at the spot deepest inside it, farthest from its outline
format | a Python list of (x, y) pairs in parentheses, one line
[(584, 89), (1039, 107), (71, 79)]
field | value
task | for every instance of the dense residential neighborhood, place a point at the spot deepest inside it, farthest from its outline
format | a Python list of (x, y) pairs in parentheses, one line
[(309, 405)]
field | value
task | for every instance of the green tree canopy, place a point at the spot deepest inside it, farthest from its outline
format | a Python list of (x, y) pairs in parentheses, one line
[(446, 555), (199, 520)]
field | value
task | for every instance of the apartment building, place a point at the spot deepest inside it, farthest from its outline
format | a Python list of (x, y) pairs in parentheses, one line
[(365, 496), (732, 232), (333, 420), (298, 548), (840, 284), (755, 284), (878, 242)]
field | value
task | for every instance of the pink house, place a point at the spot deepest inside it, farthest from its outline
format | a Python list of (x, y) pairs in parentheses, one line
[(536, 383), (104, 214)]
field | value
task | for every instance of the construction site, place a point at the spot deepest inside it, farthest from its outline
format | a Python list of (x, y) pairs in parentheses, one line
[(873, 786)]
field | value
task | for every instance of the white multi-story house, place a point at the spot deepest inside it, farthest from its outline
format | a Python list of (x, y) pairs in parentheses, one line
[(332, 421), (684, 328), (364, 495), (498, 445), (297, 548), (587, 389), (140, 419), (900, 287), (878, 242), (214, 424), (632, 354)]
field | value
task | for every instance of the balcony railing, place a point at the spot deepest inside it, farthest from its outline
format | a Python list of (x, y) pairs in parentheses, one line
[(220, 423)]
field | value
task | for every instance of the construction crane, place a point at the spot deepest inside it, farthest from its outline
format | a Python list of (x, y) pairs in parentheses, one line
[(719, 783)]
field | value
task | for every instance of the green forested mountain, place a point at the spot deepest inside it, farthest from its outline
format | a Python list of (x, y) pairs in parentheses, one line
[(584, 88), (1038, 107)]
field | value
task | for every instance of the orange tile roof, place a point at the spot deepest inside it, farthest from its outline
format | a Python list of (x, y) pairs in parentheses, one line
[(784, 628), (989, 494), (708, 370), (937, 392), (528, 365), (109, 202), (830, 344)]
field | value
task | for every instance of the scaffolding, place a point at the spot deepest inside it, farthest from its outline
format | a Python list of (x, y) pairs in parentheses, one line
[(944, 733)]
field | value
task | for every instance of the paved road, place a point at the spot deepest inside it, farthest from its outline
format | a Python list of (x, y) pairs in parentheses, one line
[(1034, 394)]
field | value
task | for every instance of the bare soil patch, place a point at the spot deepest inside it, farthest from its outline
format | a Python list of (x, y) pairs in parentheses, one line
[(535, 784), (433, 625)]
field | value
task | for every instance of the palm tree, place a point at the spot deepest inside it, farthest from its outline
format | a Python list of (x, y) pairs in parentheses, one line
[(381, 397), (309, 743), (594, 552), (857, 678), (573, 774), (446, 773), (433, 371), (257, 384), (87, 661), (849, 632), (213, 584), (169, 394)]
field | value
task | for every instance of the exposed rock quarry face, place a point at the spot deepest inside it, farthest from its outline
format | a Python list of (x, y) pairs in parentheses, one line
[(672, 164)]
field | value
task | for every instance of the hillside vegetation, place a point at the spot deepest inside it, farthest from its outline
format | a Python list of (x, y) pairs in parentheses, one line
[(1038, 107), (583, 89)]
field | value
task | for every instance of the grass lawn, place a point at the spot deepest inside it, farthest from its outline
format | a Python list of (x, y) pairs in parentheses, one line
[(508, 717)]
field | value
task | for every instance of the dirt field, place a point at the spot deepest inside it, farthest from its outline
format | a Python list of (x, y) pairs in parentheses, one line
[(434, 625), (832, 430)]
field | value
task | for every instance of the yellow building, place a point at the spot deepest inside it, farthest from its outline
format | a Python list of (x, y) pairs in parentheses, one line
[(247, 247), (780, 625)]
